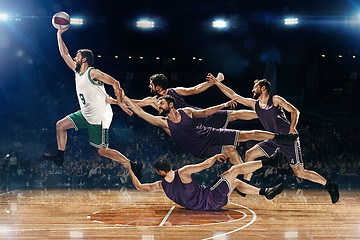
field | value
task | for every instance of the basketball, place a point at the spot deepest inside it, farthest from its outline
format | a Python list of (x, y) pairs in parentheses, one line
[(61, 19)]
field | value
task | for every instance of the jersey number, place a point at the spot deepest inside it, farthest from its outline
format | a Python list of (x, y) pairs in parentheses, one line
[(82, 98)]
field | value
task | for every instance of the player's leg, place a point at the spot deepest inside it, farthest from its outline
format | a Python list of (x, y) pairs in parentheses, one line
[(259, 135), (293, 153), (246, 188), (99, 138), (250, 155), (61, 136), (269, 193), (232, 154), (61, 132), (242, 115)]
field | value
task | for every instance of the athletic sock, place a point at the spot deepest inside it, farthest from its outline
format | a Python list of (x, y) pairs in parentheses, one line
[(328, 183)]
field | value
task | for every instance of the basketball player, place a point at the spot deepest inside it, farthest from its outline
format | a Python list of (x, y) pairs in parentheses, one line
[(183, 190), (197, 139), (220, 119), (270, 111), (94, 113)]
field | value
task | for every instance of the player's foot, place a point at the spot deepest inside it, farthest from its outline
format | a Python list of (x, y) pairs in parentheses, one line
[(285, 137), (333, 189), (270, 193), (136, 167), (58, 160), (273, 160)]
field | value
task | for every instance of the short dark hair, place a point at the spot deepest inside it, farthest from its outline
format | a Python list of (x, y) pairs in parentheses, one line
[(162, 164), (87, 53), (168, 99), (160, 80), (264, 82)]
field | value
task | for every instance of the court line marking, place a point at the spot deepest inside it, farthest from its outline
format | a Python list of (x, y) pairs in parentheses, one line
[(13, 191), (5, 193), (238, 229), (194, 225), (167, 216), (130, 226)]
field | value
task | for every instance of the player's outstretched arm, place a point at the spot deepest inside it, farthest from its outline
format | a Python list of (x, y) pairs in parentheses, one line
[(124, 107), (148, 187), (64, 52), (186, 171), (249, 102), (154, 120), (148, 101), (198, 88), (105, 78), (211, 110)]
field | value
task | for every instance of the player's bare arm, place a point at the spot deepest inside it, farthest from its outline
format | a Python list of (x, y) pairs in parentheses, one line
[(154, 120), (294, 113), (124, 107), (148, 101), (148, 187), (249, 102), (98, 75), (198, 88), (208, 111), (186, 171), (64, 52)]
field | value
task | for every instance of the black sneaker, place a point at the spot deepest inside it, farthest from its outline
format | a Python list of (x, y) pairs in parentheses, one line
[(59, 161), (136, 167), (333, 189), (270, 193), (282, 138)]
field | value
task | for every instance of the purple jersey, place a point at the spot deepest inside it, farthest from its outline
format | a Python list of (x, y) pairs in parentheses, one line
[(272, 118), (195, 196), (220, 119), (198, 139)]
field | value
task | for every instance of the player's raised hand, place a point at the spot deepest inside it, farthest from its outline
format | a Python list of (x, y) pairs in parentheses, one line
[(220, 77), (221, 157), (211, 78), (232, 104), (61, 30)]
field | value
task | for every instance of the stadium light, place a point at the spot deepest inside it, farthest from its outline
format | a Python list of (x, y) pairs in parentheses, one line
[(291, 21), (145, 24), (3, 17), (76, 21), (219, 24)]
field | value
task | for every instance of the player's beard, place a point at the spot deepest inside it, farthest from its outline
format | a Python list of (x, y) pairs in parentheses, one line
[(256, 95), (77, 68), (164, 112), (153, 92)]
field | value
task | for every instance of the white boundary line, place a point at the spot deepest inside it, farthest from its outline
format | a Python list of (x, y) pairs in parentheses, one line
[(5, 193), (166, 217), (246, 225)]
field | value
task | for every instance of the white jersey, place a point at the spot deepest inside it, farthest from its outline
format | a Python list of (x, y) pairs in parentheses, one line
[(91, 96)]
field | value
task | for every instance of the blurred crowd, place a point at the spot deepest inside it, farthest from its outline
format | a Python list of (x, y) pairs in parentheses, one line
[(329, 148)]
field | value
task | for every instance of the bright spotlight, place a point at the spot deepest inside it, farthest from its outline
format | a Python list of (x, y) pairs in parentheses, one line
[(3, 17), (76, 21), (291, 21), (145, 24), (219, 24)]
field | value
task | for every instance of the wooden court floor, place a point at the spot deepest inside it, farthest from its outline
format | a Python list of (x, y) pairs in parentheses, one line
[(131, 214)]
